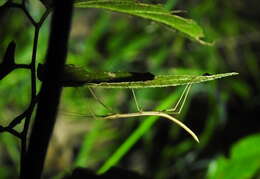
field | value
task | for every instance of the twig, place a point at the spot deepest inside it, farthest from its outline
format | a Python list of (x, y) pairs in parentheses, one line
[(44, 16), (46, 111), (10, 4), (5, 70), (33, 88), (10, 130), (18, 119), (32, 66)]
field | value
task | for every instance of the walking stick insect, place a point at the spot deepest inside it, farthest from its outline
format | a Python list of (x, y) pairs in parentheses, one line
[(76, 76), (167, 113)]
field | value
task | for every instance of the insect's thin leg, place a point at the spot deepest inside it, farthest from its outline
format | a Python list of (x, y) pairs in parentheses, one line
[(179, 105), (103, 104), (135, 99), (92, 113), (179, 100), (184, 100)]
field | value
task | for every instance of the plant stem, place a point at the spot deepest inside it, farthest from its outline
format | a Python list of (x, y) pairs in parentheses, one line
[(33, 85), (50, 91)]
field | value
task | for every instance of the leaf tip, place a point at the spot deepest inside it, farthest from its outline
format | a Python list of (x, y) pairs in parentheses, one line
[(233, 73)]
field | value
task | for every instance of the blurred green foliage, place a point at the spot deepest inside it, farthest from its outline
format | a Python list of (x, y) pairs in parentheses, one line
[(244, 161), (221, 112)]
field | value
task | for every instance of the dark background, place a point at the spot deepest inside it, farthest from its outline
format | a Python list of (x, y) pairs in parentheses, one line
[(222, 112)]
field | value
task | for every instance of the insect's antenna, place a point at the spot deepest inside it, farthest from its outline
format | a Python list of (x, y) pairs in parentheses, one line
[(103, 104), (135, 99), (181, 100)]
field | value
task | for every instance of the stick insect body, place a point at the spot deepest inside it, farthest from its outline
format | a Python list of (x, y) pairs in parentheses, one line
[(74, 76), (164, 113)]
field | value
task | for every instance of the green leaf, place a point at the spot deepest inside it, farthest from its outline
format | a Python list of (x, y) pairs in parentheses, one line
[(247, 146), (155, 13), (162, 81), (244, 162), (77, 76)]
